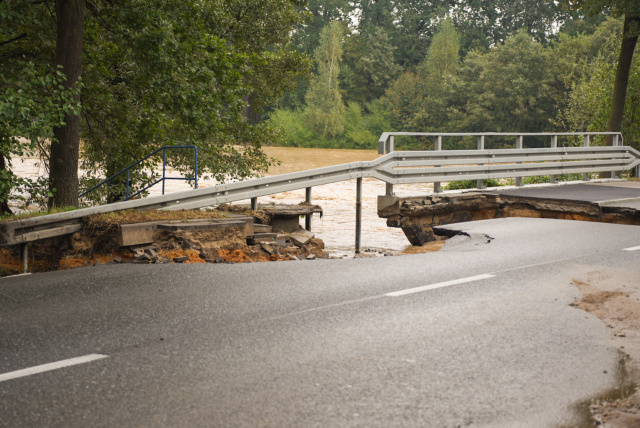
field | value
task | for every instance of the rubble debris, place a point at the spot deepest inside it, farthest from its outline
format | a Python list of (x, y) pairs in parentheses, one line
[(301, 236)]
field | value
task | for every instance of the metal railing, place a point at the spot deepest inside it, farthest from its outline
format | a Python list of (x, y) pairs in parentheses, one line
[(164, 172), (392, 168), (387, 140)]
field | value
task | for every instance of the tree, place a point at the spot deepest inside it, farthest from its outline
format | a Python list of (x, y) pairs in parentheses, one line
[(164, 73), (369, 66), (420, 101), (34, 97), (325, 109), (630, 11), (590, 99), (65, 147)]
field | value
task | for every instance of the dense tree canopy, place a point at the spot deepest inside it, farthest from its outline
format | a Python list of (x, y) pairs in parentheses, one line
[(156, 73)]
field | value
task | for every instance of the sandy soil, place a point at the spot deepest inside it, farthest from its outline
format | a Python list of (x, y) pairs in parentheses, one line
[(614, 297)]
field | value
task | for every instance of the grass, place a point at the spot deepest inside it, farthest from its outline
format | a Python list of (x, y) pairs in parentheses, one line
[(12, 217)]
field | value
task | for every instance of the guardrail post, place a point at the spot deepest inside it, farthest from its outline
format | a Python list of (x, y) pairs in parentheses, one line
[(307, 219), (254, 204), (480, 146), (519, 146), (358, 213), (585, 175), (437, 146), (388, 189), (554, 144), (25, 257)]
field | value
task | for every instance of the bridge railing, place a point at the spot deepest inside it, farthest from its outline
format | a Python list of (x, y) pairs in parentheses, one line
[(386, 143)]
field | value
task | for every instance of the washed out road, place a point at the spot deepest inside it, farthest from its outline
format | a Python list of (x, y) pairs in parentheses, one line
[(478, 334)]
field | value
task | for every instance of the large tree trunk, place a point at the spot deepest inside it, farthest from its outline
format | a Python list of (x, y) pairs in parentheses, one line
[(65, 149), (622, 75)]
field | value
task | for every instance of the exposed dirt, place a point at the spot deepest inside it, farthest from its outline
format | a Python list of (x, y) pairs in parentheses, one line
[(614, 297)]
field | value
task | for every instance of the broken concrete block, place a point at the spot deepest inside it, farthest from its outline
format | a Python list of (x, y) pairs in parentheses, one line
[(301, 236), (268, 248), (311, 257), (117, 259), (180, 259), (151, 252)]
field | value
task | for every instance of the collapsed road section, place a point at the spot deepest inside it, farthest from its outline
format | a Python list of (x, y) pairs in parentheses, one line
[(417, 216)]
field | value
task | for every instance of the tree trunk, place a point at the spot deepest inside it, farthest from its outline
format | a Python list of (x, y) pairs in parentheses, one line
[(622, 76), (65, 149), (4, 198)]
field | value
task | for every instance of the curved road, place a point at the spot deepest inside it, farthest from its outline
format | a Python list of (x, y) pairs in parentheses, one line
[(478, 334)]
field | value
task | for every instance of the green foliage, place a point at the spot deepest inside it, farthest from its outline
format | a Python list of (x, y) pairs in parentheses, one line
[(370, 66), (590, 97), (324, 113), (470, 184), (160, 73)]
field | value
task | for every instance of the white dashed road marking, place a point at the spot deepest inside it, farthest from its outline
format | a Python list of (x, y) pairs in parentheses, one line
[(439, 285), (51, 366)]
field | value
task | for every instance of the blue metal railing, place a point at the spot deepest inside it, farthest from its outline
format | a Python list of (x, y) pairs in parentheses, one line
[(164, 169)]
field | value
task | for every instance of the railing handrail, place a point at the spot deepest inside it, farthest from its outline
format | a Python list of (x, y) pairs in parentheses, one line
[(164, 161), (385, 142)]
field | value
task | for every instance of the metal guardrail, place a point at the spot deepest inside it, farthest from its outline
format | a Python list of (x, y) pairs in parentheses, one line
[(164, 172), (392, 168)]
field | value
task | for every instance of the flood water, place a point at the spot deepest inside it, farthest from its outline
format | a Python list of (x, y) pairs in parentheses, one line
[(337, 227)]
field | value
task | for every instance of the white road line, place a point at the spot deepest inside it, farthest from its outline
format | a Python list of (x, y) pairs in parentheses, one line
[(51, 366), (631, 249), (438, 285)]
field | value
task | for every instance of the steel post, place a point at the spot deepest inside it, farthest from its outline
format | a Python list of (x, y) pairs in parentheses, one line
[(25, 258), (437, 146), (307, 219), (554, 144), (480, 146), (585, 175), (389, 189), (254, 204), (519, 145), (358, 213), (164, 168)]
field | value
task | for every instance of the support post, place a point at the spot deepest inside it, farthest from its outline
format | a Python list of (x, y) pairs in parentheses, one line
[(480, 146), (164, 168), (554, 144), (585, 175), (519, 146), (389, 189), (437, 146), (307, 219), (389, 146), (358, 213), (254, 204), (25, 258)]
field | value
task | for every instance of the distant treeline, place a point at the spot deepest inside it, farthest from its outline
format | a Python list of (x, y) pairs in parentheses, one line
[(529, 67)]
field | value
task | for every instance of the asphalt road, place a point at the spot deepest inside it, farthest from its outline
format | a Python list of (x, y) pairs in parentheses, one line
[(478, 334)]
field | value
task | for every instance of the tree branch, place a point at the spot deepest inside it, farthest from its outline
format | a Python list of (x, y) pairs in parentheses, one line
[(15, 39)]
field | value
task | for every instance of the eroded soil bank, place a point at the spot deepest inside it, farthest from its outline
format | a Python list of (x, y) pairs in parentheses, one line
[(216, 236)]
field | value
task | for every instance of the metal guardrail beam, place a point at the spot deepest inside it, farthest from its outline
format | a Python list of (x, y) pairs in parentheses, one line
[(393, 168), (387, 139)]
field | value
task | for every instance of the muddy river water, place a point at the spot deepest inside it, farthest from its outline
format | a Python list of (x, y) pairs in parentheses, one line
[(337, 226)]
